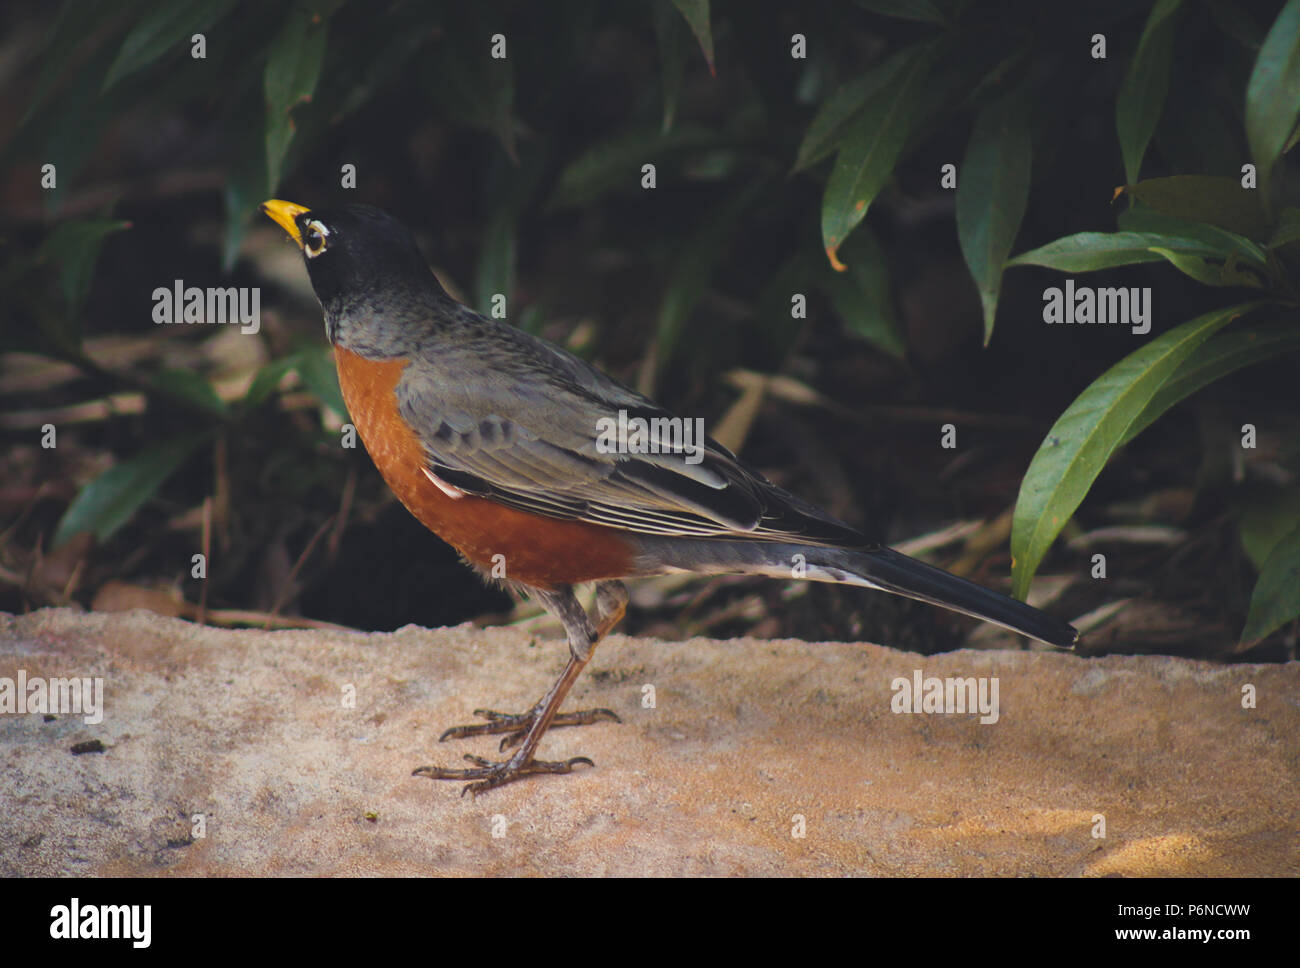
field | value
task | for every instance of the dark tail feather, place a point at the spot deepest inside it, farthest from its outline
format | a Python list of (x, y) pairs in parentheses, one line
[(902, 575), (875, 567)]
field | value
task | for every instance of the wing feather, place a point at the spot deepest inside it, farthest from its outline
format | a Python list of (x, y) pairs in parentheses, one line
[(525, 430)]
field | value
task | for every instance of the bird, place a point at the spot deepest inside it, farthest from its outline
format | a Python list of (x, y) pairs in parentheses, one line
[(545, 474)]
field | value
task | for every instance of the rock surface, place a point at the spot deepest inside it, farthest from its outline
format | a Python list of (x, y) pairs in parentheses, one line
[(294, 750)]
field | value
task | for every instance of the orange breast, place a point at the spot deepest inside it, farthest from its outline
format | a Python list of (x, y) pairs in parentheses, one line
[(539, 551)]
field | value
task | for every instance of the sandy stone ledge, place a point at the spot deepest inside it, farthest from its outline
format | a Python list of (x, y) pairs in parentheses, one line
[(251, 730)]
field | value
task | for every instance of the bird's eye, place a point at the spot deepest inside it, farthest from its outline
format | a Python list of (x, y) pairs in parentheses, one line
[(313, 238)]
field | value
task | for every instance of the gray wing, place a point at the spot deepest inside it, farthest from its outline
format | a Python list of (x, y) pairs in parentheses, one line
[(539, 430)]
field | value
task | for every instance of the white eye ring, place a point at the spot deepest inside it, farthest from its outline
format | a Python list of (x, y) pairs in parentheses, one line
[(315, 232)]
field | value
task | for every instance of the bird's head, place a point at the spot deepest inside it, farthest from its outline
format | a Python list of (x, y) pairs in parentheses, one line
[(364, 265)]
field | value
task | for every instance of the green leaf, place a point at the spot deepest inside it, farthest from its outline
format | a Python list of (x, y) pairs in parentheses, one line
[(192, 388), (689, 276), (1090, 251), (992, 189), (871, 149), (1223, 243), (533, 317), (964, 76), (109, 501), (826, 131), (1091, 429), (696, 13), (469, 84), (1214, 359), (74, 247), (268, 378), (352, 82), (862, 295), (246, 183), (616, 164), (1292, 141), (80, 24), (1276, 599), (496, 262), (1264, 517), (1205, 198), (775, 330), (1200, 130), (922, 11), (290, 78), (1273, 93), (509, 191), (67, 130), (168, 26), (1288, 228), (1210, 273), (1142, 96), (1236, 22), (316, 367), (673, 44)]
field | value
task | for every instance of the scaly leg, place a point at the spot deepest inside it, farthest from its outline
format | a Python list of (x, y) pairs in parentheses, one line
[(526, 730)]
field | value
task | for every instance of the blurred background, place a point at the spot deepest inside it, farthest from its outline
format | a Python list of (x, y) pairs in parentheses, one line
[(798, 150)]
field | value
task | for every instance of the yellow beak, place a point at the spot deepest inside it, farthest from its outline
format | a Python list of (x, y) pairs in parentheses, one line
[(284, 214)]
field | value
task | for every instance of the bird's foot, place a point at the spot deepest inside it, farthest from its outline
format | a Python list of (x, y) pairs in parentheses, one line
[(516, 725), (487, 775)]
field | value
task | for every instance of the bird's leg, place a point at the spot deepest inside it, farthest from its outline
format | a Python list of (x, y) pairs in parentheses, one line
[(611, 603), (526, 730)]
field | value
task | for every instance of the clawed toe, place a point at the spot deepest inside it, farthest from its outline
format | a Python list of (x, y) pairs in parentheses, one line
[(487, 775), (496, 723), (516, 725)]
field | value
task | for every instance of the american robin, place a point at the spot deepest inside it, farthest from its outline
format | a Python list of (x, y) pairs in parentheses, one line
[(542, 470)]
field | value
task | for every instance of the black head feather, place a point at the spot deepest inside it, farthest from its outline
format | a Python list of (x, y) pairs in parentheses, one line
[(364, 252)]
